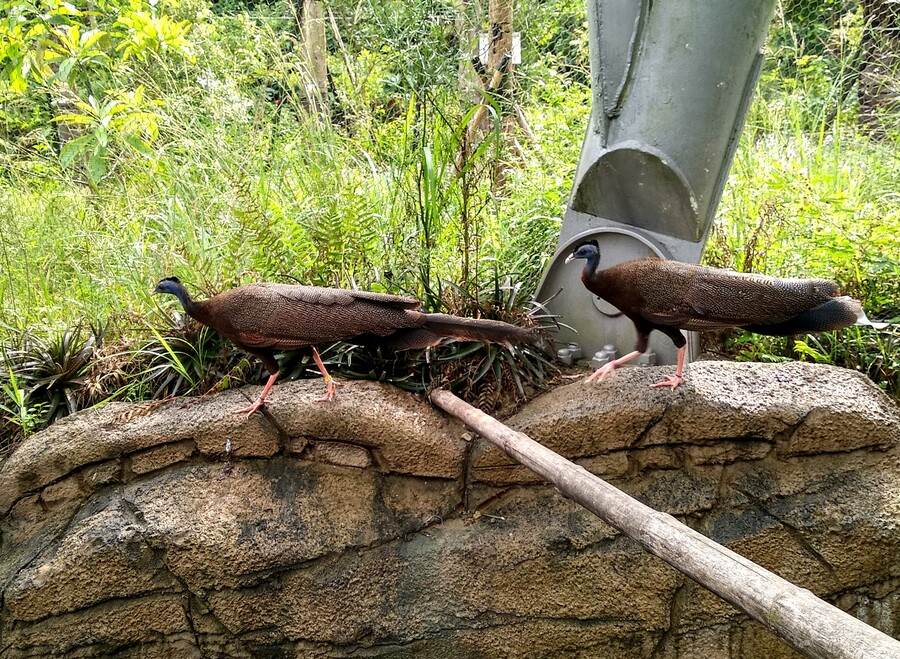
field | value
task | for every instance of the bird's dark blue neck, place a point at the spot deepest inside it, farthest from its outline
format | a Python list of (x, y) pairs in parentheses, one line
[(189, 305), (590, 266)]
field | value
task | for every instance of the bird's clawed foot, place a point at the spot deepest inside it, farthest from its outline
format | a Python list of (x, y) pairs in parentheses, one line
[(329, 390), (261, 401), (601, 373), (670, 381), (252, 409)]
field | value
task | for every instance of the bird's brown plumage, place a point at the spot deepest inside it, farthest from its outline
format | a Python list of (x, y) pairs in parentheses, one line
[(286, 317), (265, 318), (671, 296), (692, 297)]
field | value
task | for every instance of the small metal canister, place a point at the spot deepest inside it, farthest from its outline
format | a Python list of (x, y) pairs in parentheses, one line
[(604, 355), (570, 354)]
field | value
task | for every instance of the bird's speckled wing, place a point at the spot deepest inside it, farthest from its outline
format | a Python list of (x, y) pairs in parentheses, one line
[(282, 316), (339, 296), (698, 298)]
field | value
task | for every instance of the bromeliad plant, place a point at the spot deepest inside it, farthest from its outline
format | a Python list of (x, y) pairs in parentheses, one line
[(43, 379), (18, 410), (51, 371)]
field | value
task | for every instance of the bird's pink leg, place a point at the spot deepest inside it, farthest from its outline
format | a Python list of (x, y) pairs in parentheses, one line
[(259, 402), (329, 381), (601, 373), (674, 380)]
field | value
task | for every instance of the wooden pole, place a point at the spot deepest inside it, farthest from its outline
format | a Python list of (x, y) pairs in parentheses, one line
[(811, 625), (316, 51)]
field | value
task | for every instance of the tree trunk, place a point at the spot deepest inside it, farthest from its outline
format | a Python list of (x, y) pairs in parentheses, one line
[(315, 52), (500, 16), (879, 77), (64, 101), (470, 70)]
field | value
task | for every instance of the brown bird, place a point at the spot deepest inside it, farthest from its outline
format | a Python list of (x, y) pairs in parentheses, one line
[(262, 319), (671, 296)]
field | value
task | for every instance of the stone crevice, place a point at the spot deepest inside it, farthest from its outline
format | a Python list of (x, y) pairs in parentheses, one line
[(784, 436), (676, 603), (467, 475), (651, 424), (53, 541), (260, 579), (187, 594), (497, 497), (795, 533), (283, 435), (496, 620), (38, 490), (634, 452), (93, 606)]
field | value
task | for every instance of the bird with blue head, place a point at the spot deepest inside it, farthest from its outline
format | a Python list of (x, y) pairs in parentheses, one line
[(589, 251), (670, 296), (263, 319), (173, 286)]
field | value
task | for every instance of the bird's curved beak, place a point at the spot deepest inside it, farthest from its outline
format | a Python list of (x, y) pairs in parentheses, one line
[(570, 257)]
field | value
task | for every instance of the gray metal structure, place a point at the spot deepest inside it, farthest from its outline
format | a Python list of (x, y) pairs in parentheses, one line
[(671, 82)]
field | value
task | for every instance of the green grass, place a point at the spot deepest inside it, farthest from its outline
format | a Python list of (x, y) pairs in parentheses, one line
[(240, 188)]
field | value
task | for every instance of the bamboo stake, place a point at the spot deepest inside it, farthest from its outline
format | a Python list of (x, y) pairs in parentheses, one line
[(316, 53), (808, 623)]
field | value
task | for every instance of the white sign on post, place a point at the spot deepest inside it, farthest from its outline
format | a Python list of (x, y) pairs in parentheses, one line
[(484, 47)]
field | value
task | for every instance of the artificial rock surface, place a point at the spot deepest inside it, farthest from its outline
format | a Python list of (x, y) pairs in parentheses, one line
[(370, 526)]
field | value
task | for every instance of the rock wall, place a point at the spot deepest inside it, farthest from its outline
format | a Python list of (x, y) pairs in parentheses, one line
[(373, 526)]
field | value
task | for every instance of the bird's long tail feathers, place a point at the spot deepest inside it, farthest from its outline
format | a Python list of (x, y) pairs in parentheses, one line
[(410, 339), (834, 314), (440, 326), (477, 329)]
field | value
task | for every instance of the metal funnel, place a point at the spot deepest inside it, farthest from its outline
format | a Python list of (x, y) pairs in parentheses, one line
[(671, 85)]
